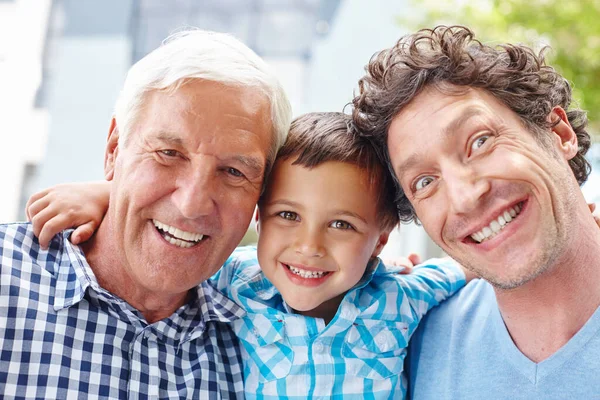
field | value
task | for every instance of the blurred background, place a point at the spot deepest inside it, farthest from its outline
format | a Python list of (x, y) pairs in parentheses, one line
[(62, 64)]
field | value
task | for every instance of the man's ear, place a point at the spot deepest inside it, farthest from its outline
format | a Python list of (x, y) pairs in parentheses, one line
[(381, 242), (564, 133), (112, 150)]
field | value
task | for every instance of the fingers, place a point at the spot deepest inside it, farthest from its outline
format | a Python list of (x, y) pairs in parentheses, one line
[(415, 259), (54, 224), (39, 218), (596, 215), (406, 270), (36, 203), (83, 232)]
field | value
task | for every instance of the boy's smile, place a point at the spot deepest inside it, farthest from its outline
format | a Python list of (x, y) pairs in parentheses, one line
[(318, 229)]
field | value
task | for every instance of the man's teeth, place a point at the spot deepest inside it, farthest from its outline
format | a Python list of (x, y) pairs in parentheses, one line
[(497, 225), (307, 274), (178, 237)]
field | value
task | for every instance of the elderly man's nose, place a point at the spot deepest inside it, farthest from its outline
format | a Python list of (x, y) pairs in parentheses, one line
[(195, 196)]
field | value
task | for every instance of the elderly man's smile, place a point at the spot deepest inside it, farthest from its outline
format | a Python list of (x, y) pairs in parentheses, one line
[(176, 236)]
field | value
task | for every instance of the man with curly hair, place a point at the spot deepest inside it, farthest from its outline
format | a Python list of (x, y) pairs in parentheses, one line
[(489, 155)]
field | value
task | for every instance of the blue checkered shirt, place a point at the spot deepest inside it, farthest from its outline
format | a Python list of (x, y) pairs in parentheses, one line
[(358, 355), (64, 337)]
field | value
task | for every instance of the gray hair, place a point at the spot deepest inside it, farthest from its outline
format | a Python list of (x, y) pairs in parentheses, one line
[(212, 56)]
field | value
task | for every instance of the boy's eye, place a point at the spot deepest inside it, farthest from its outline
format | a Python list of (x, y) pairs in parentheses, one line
[(339, 224), (423, 182), (289, 215)]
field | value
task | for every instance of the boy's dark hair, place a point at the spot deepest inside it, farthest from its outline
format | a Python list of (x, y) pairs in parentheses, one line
[(514, 74), (316, 138)]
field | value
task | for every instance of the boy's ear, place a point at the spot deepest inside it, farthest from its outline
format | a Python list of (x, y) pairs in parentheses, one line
[(381, 242), (564, 133), (112, 150)]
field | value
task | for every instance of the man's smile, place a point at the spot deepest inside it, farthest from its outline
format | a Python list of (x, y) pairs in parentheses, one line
[(497, 224), (176, 236)]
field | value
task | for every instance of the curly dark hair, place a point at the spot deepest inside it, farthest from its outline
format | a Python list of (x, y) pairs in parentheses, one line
[(514, 74)]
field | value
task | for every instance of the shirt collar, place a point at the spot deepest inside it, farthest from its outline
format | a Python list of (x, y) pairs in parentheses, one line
[(75, 276)]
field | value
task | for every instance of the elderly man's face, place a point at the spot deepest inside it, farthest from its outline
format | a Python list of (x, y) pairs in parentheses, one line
[(485, 190), (186, 182)]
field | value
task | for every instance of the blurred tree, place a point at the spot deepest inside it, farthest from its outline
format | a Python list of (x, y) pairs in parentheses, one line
[(571, 28)]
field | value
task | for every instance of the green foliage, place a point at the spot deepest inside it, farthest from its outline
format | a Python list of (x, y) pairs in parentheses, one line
[(571, 28)]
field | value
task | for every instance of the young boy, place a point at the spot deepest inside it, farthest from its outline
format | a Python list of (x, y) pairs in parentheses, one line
[(325, 318)]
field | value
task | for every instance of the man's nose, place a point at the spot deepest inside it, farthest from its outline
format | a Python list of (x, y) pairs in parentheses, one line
[(465, 188), (196, 193)]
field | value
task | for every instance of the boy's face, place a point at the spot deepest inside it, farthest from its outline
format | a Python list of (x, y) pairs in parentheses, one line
[(318, 229)]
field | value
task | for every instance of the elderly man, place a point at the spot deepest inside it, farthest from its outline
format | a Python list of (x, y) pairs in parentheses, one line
[(129, 314), (489, 158)]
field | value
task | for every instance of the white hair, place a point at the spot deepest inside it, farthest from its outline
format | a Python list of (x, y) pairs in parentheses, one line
[(212, 56)]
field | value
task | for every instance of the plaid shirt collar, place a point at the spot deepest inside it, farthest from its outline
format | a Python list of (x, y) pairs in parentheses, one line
[(75, 278)]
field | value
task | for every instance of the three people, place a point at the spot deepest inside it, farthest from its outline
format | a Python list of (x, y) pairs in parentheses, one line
[(485, 153)]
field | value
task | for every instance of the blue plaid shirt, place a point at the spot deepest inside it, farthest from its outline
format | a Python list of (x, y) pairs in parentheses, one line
[(64, 337), (358, 355)]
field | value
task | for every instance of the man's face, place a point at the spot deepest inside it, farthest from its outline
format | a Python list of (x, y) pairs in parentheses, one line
[(484, 189), (185, 183), (318, 231)]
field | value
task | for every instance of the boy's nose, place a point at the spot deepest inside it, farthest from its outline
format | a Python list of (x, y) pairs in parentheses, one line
[(309, 244)]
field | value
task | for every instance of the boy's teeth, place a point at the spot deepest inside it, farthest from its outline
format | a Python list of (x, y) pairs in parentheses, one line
[(306, 274), (497, 225), (177, 236)]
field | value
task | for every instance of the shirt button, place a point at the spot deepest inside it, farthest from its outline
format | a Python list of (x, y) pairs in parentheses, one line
[(318, 347)]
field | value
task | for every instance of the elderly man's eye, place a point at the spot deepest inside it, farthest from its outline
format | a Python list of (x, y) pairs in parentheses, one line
[(169, 153), (235, 172)]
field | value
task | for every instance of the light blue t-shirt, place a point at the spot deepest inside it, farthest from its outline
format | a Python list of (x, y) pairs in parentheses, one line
[(462, 350)]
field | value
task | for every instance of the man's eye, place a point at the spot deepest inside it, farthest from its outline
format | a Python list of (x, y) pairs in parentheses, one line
[(289, 215), (169, 153), (423, 182), (235, 172), (339, 224), (480, 141)]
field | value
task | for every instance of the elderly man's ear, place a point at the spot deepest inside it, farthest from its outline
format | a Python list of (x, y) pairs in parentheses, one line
[(112, 150), (565, 135)]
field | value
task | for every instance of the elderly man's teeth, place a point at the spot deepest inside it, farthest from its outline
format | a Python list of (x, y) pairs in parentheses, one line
[(176, 236), (497, 225), (306, 274)]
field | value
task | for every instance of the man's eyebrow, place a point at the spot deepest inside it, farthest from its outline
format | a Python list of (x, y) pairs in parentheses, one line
[(461, 120), (407, 164), (448, 130), (166, 137), (253, 163)]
